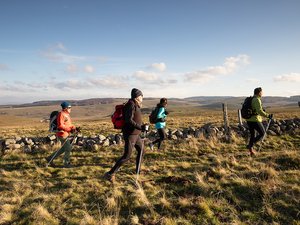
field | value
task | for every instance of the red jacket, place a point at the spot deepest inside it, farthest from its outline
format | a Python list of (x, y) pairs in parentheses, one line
[(64, 124)]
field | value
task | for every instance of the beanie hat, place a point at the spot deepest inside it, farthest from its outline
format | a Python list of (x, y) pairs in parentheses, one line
[(136, 93), (65, 105)]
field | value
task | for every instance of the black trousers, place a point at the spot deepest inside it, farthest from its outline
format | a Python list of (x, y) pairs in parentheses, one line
[(162, 136), (131, 142), (259, 128)]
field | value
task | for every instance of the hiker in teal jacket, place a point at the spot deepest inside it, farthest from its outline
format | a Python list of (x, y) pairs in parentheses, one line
[(161, 123), (255, 121)]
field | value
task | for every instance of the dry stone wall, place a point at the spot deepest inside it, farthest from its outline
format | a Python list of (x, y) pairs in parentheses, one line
[(94, 142)]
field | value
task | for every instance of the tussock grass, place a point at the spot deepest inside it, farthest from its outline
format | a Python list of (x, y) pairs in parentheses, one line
[(195, 181)]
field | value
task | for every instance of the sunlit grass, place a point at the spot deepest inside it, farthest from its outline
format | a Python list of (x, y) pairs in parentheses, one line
[(195, 181)]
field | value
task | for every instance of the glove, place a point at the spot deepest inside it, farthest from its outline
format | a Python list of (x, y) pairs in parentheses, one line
[(78, 129), (73, 130), (166, 112), (270, 116), (145, 127)]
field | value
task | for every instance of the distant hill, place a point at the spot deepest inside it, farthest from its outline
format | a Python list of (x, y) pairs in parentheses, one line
[(216, 101), (202, 101)]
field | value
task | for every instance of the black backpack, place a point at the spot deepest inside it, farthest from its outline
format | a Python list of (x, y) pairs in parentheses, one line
[(53, 121), (153, 115), (247, 110)]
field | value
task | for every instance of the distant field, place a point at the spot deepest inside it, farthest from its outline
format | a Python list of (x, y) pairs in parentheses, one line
[(96, 118)]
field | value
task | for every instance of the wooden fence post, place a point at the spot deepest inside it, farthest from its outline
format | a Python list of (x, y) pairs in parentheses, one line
[(225, 116), (240, 118)]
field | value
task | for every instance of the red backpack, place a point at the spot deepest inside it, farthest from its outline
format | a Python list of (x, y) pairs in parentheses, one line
[(117, 117)]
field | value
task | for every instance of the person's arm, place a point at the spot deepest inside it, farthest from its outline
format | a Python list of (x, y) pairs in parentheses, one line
[(258, 107), (161, 113)]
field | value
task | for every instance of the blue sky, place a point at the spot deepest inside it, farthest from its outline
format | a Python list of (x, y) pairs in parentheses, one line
[(88, 49)]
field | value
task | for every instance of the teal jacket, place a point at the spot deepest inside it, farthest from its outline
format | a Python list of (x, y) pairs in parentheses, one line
[(258, 110), (161, 114)]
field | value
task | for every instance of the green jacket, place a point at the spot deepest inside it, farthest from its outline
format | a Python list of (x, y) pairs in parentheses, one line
[(258, 110)]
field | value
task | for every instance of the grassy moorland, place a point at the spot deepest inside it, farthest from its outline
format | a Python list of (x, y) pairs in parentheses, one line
[(195, 181)]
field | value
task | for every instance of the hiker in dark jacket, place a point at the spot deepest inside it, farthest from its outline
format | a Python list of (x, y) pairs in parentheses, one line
[(131, 132), (160, 124), (255, 122)]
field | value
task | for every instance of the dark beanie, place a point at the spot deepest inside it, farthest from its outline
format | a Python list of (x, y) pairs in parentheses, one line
[(136, 93)]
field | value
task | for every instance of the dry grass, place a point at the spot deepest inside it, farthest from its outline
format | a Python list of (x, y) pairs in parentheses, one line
[(198, 181)]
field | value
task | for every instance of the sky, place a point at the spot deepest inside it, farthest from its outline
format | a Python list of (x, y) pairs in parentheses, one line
[(68, 50)]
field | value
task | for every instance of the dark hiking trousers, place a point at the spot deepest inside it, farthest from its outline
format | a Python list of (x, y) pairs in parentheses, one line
[(162, 136), (259, 128), (131, 142)]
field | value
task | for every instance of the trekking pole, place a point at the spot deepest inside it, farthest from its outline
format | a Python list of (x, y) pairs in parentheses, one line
[(75, 137), (141, 156), (265, 134)]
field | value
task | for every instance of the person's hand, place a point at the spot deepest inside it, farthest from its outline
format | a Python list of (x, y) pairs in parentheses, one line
[(78, 129), (145, 127), (270, 116), (73, 130), (166, 112)]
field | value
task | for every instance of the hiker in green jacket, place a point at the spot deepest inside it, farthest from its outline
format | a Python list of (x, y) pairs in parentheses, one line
[(255, 121)]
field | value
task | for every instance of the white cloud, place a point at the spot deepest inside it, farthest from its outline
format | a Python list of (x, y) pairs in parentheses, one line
[(71, 84), (158, 66), (89, 69), (108, 82), (72, 68), (253, 80), (102, 59), (292, 77), (231, 65), (57, 53), (60, 46), (144, 76), (199, 77), (3, 67), (66, 85)]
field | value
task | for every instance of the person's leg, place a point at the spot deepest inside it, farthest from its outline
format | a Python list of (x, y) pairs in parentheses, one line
[(57, 153), (139, 146), (162, 136), (151, 144), (67, 149), (259, 127), (129, 145), (251, 126)]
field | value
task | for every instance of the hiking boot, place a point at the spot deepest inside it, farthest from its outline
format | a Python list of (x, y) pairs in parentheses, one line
[(252, 152), (109, 177), (151, 146), (69, 165)]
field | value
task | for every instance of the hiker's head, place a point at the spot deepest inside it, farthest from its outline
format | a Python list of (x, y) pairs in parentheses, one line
[(258, 91), (163, 101), (136, 93), (137, 96), (66, 106)]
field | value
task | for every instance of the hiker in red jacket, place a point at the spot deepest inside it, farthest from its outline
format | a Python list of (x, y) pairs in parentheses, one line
[(65, 128), (131, 132)]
